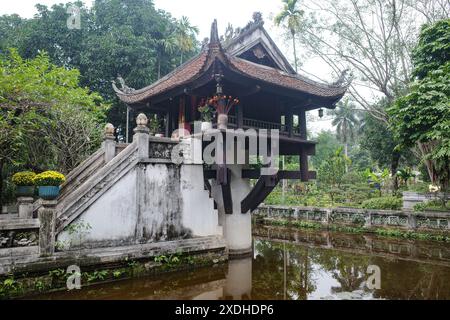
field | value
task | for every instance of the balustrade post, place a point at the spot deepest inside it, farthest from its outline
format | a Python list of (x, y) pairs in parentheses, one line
[(328, 213), (141, 135), (47, 219), (25, 207), (412, 221), (368, 220), (109, 143)]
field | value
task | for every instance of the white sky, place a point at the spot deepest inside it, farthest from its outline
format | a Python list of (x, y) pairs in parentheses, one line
[(201, 13)]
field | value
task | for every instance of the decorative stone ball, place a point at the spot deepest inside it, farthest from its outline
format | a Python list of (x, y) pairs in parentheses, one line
[(109, 129), (141, 120)]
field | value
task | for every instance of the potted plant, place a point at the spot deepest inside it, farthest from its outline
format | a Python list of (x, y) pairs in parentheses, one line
[(154, 126), (24, 182), (48, 183), (207, 114), (223, 105)]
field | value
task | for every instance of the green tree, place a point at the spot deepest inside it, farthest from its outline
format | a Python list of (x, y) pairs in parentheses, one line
[(327, 144), (32, 93), (345, 121), (130, 38), (332, 171), (422, 117), (185, 36), (291, 16)]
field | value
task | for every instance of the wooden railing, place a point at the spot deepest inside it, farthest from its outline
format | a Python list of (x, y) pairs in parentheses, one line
[(259, 124)]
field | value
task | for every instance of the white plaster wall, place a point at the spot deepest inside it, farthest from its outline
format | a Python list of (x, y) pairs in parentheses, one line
[(113, 216), (153, 202), (198, 210), (161, 202)]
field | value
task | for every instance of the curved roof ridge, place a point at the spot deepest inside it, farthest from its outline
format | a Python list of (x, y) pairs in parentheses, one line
[(166, 77), (302, 83)]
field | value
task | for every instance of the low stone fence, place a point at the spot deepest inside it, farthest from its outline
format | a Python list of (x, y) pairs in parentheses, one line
[(436, 221), (18, 233), (410, 199)]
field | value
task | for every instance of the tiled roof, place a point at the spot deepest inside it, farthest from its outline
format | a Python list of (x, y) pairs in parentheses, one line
[(198, 65), (180, 76), (283, 79)]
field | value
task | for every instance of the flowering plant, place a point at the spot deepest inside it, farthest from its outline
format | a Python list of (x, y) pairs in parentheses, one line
[(49, 178), (222, 103), (24, 178), (206, 111)]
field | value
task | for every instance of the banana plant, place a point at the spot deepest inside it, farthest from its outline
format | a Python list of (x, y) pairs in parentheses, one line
[(378, 179)]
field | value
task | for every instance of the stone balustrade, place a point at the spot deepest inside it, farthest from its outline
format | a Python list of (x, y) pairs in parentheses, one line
[(437, 221)]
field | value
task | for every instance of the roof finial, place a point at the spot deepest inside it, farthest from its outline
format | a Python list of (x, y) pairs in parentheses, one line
[(214, 33)]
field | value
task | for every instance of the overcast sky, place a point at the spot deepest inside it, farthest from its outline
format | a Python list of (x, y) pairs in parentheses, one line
[(201, 13)]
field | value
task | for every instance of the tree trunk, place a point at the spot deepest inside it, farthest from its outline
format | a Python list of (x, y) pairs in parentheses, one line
[(1, 186), (346, 155), (159, 68), (424, 150), (295, 51), (394, 167)]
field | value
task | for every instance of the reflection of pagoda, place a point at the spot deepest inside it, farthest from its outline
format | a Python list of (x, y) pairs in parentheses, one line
[(251, 67)]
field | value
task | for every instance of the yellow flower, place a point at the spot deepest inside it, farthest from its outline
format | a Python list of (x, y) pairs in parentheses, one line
[(49, 178), (24, 178)]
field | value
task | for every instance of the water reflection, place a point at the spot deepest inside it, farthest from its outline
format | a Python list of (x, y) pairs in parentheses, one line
[(299, 265)]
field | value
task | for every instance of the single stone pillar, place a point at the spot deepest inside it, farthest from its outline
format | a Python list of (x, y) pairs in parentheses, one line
[(141, 135), (47, 219), (25, 207), (109, 143), (237, 227)]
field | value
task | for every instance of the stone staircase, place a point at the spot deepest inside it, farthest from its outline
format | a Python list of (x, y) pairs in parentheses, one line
[(95, 183)]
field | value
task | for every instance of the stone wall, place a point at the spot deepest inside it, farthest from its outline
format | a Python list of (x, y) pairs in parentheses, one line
[(435, 221), (154, 201), (410, 199)]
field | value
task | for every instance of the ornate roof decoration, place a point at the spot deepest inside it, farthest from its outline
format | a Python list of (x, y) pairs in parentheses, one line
[(123, 87), (213, 58)]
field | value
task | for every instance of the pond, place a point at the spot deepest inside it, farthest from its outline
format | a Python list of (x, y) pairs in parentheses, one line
[(300, 265)]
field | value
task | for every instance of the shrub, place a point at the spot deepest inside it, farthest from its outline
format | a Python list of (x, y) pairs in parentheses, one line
[(383, 203), (49, 178), (24, 178), (433, 205)]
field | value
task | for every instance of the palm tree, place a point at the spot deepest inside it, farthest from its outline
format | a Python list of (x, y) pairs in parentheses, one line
[(293, 17), (345, 121), (164, 47), (185, 35)]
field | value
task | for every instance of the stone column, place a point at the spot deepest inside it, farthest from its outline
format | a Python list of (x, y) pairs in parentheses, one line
[(141, 135), (109, 143), (237, 227), (47, 219), (25, 206)]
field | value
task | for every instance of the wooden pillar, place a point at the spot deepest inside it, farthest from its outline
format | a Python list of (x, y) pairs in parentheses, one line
[(290, 122), (302, 123), (173, 117), (167, 124), (304, 175), (239, 116)]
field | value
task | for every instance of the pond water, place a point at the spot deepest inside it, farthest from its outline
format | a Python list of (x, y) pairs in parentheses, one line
[(299, 265)]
